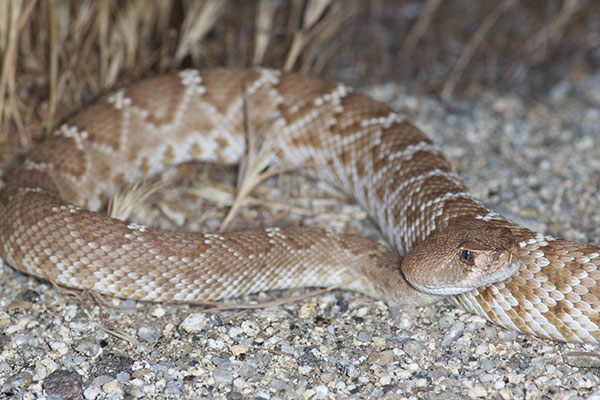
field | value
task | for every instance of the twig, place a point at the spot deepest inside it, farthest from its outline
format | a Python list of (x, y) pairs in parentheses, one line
[(473, 45), (540, 42), (53, 67), (218, 306), (418, 29), (264, 26)]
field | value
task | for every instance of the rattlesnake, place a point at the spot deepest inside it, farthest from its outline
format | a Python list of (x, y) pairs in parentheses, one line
[(50, 228)]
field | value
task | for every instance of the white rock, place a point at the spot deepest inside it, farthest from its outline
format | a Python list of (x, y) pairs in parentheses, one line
[(194, 323)]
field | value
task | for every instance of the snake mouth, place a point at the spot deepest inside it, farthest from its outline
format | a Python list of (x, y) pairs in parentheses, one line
[(495, 268)]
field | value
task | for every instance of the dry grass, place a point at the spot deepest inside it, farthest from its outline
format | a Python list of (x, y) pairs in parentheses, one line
[(58, 55)]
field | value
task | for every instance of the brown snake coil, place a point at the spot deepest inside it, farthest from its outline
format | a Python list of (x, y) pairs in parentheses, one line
[(391, 168)]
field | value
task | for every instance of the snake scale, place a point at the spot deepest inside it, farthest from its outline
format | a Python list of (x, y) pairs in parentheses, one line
[(50, 227)]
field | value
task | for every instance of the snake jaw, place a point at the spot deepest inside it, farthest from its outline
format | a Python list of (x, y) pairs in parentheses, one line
[(485, 271), (466, 255)]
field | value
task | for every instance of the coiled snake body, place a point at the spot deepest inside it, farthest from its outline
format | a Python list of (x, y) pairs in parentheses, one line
[(49, 226)]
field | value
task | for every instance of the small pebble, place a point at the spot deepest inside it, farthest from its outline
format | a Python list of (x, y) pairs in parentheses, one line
[(478, 391), (595, 395), (112, 386), (412, 348), (110, 364), (222, 376), (18, 381), (382, 358), (250, 328), (307, 311), (101, 380), (4, 367), (88, 348), (59, 347), (453, 333), (30, 296), (327, 377), (93, 393), (123, 377), (63, 383), (586, 359), (141, 373), (194, 323), (446, 321), (216, 344), (158, 312), (364, 337), (174, 387), (278, 384), (147, 334), (238, 349)]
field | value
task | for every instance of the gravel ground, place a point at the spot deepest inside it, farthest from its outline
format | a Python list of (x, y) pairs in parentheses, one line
[(534, 161)]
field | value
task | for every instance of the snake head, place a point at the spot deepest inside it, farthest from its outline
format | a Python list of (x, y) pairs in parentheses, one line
[(467, 254)]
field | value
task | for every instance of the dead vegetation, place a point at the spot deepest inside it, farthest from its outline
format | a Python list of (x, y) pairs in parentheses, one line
[(58, 55)]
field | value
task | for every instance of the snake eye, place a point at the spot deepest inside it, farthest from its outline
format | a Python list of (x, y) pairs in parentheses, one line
[(466, 256)]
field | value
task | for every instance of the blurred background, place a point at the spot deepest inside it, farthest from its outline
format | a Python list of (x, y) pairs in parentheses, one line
[(58, 55)]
